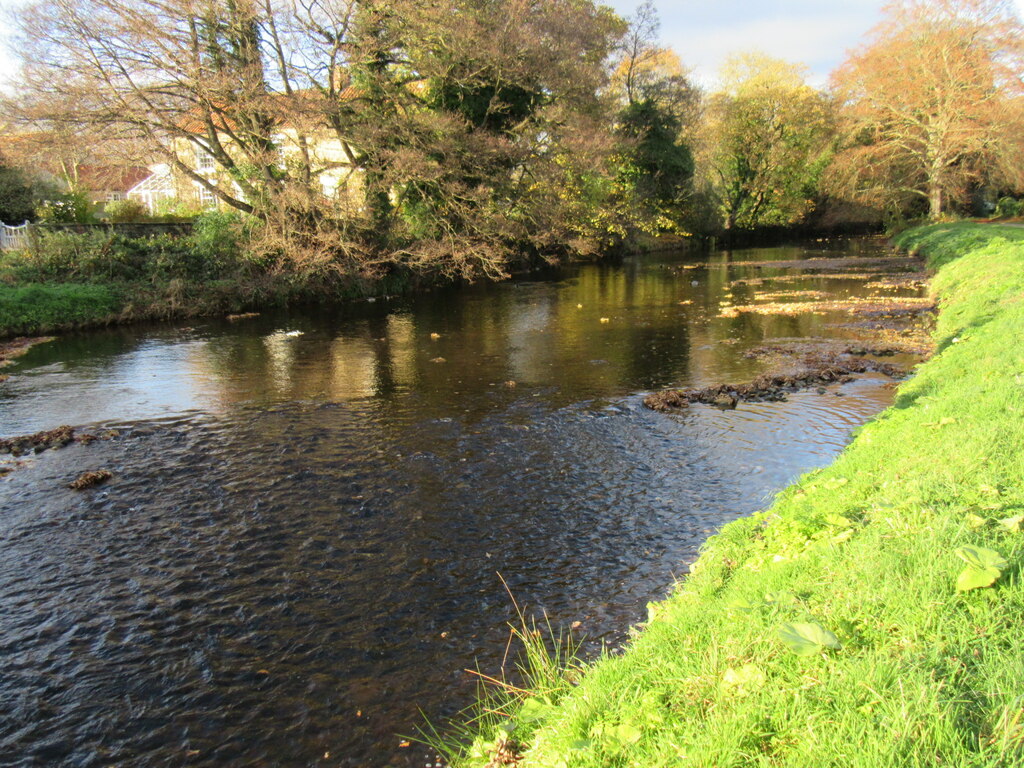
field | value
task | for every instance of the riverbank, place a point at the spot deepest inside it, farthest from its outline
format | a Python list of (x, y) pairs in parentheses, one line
[(71, 280), (869, 617), (38, 308)]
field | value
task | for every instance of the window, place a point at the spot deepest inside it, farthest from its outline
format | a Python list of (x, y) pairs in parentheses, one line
[(204, 160), (206, 198), (113, 197)]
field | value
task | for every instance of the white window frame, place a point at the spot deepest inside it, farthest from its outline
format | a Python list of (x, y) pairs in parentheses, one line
[(207, 199), (204, 160)]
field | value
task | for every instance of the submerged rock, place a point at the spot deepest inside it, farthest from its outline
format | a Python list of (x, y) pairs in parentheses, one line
[(772, 387), (39, 442), (725, 401), (51, 438), (89, 479)]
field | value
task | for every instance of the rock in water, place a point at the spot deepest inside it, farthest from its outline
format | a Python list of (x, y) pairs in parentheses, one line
[(725, 402), (89, 479)]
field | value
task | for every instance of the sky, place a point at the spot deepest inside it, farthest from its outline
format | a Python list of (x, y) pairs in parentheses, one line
[(704, 33), (817, 33)]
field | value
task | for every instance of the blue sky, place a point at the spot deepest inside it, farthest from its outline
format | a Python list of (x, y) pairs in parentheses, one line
[(704, 32), (817, 33)]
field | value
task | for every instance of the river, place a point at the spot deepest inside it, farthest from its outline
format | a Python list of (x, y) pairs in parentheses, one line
[(299, 550)]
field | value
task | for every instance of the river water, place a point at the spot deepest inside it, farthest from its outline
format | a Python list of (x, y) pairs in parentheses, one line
[(300, 549)]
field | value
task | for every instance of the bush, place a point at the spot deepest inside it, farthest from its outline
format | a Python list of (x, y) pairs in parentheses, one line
[(217, 237), (120, 211), (69, 208), (102, 255), (1007, 207), (17, 199)]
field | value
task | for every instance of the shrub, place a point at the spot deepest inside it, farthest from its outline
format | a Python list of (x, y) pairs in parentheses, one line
[(69, 208), (103, 256), (217, 237), (120, 211), (16, 196), (1007, 207)]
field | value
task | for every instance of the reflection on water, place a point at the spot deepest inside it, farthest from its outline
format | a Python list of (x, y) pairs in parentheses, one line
[(300, 547)]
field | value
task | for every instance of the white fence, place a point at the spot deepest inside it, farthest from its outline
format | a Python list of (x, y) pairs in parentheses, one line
[(14, 238)]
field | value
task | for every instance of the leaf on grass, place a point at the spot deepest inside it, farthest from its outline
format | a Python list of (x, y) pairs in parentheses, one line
[(744, 680), (1012, 523), (984, 566), (806, 639), (981, 558), (839, 521), (975, 521), (976, 578), (626, 733), (533, 710), (654, 610)]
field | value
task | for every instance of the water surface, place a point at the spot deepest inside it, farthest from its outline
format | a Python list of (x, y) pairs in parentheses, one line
[(300, 547)]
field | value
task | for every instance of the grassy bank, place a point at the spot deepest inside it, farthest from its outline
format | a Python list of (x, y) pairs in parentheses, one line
[(68, 280), (847, 625)]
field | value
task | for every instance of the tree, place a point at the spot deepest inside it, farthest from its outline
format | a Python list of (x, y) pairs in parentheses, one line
[(440, 119), (764, 142), (658, 105), (929, 104)]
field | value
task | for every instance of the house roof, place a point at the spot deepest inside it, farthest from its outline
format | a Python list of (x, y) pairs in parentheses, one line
[(194, 121), (111, 178)]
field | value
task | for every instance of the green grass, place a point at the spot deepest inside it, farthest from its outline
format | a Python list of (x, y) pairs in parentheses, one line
[(35, 308), (865, 549)]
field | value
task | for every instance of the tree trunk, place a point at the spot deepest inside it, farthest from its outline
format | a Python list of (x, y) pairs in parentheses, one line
[(934, 201)]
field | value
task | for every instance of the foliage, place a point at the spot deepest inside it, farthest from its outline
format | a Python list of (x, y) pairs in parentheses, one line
[(658, 101), (657, 167), (17, 197), (764, 143), (1007, 207), (104, 256), (67, 208), (217, 239), (862, 554), (932, 105), (120, 211), (449, 116)]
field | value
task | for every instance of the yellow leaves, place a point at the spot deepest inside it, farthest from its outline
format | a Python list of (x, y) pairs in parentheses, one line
[(744, 680)]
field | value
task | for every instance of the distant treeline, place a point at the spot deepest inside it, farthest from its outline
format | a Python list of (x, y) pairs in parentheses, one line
[(467, 137)]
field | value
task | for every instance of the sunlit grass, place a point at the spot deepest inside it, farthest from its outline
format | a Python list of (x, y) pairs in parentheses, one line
[(865, 549)]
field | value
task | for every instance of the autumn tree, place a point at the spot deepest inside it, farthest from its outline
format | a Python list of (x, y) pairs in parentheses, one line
[(445, 119), (765, 138), (931, 104), (658, 109)]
